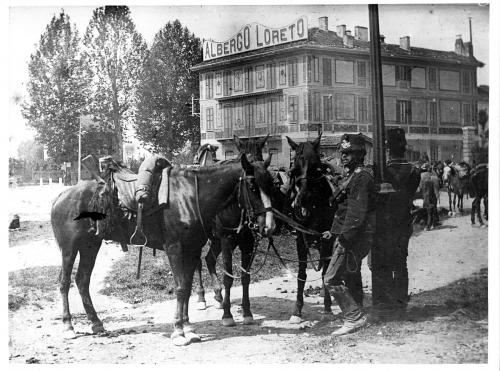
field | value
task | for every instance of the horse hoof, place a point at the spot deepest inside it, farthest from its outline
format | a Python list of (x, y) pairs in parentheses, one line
[(192, 337), (69, 334), (201, 305), (294, 320), (228, 322), (248, 320), (180, 341), (98, 328)]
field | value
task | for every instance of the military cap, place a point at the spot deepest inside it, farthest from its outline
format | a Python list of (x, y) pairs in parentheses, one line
[(352, 143), (396, 138)]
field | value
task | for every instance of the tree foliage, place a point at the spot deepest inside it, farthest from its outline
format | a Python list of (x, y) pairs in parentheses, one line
[(55, 96), (31, 152), (114, 53), (164, 123)]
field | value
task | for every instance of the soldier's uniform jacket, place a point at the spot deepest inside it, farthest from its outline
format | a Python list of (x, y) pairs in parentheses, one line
[(354, 220), (396, 207)]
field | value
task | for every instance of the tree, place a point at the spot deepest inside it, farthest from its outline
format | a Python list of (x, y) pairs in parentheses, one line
[(114, 53), (55, 96), (164, 123), (31, 153)]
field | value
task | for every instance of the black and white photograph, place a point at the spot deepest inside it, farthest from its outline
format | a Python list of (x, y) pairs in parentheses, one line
[(275, 183)]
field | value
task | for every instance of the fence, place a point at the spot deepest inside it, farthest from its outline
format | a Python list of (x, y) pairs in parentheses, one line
[(68, 178)]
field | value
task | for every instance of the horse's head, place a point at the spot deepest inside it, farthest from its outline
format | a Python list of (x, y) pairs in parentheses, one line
[(206, 155), (252, 147), (306, 169), (256, 186)]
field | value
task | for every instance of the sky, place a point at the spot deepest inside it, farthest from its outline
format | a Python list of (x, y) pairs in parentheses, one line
[(430, 26)]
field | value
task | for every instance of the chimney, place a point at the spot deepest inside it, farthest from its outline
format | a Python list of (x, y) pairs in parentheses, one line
[(323, 23), (341, 30), (404, 42), (349, 41), (382, 39), (361, 33), (459, 45), (348, 32), (468, 49)]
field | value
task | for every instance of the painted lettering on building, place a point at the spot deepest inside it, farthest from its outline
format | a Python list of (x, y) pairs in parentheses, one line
[(255, 36)]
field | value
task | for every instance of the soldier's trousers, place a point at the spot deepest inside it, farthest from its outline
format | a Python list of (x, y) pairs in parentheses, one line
[(389, 269)]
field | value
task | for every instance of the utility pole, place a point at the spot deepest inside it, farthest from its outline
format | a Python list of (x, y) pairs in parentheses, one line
[(79, 148)]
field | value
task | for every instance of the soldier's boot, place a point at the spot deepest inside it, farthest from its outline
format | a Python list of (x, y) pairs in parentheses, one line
[(354, 319)]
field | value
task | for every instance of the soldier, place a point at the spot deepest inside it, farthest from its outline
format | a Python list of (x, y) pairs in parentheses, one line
[(394, 228), (353, 228), (429, 187)]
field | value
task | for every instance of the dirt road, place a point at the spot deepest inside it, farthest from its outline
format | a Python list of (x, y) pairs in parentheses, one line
[(139, 333)]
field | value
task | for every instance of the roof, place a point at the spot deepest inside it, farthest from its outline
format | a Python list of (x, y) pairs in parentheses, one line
[(330, 39)]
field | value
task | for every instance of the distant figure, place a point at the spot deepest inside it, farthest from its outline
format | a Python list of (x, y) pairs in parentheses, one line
[(15, 224), (429, 186)]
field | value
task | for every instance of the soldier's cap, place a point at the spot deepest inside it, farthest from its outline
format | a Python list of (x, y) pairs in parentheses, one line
[(396, 138), (352, 143)]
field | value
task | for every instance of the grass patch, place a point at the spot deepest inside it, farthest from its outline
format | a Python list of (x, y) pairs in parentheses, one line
[(30, 231), (31, 286), (156, 283)]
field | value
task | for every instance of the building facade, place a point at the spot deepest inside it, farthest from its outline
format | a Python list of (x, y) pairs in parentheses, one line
[(296, 81)]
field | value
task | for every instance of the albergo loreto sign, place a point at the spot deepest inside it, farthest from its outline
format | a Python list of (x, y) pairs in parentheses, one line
[(255, 36)]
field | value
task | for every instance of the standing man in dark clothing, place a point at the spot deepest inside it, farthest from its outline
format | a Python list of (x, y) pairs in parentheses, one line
[(353, 228), (394, 228)]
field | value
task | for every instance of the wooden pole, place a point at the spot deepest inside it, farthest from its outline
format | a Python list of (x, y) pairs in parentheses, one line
[(377, 96)]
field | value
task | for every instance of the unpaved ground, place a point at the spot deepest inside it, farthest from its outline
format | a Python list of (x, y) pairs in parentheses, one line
[(139, 333)]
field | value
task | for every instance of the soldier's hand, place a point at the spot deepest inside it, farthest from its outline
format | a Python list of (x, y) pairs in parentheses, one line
[(327, 235)]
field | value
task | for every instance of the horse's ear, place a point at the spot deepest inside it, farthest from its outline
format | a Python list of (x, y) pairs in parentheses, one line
[(263, 141), (247, 166), (238, 142), (316, 142), (292, 143), (267, 162)]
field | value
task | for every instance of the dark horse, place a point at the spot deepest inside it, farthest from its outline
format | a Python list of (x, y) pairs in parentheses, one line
[(230, 230), (479, 190), (457, 182), (186, 223), (312, 209)]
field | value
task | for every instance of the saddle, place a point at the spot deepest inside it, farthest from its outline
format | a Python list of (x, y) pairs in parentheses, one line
[(462, 170)]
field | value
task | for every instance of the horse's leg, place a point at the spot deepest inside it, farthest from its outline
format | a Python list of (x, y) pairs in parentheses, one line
[(326, 249), (88, 254), (455, 202), (202, 304), (485, 199), (68, 259), (190, 266), (479, 217), (246, 247), (429, 218), (449, 200), (473, 210), (211, 260), (301, 279), (227, 244), (176, 261)]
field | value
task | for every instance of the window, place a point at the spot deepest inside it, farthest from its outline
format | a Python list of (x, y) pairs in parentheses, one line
[(248, 79), (418, 77), (361, 73), (271, 76), (449, 80), (316, 106), (228, 113), (293, 108), (227, 83), (282, 73), (218, 84), (450, 112), (272, 114), (282, 108), (344, 72), (390, 108), (419, 111), (209, 86), (238, 81), (209, 118), (466, 86), (432, 78), (433, 114), (316, 69), (466, 114), (292, 72), (327, 72), (327, 108), (261, 112), (344, 106), (238, 116), (403, 112), (259, 74), (403, 76), (362, 109), (249, 115), (388, 75)]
